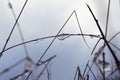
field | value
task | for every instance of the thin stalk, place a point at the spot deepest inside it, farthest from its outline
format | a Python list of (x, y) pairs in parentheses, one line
[(92, 72), (78, 74), (39, 64), (114, 46), (13, 28), (20, 75), (85, 68), (48, 73), (106, 42), (41, 73), (14, 65), (112, 72), (87, 76), (19, 28), (95, 46), (103, 66), (81, 29), (46, 62), (107, 19), (114, 36), (75, 75), (99, 69), (43, 38)]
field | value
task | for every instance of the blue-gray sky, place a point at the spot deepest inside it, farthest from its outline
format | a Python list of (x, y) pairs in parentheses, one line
[(43, 18)]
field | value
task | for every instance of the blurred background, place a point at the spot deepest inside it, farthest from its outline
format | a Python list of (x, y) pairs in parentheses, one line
[(43, 18)]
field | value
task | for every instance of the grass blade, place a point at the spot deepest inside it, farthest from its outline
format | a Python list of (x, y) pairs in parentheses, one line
[(107, 19), (106, 42), (81, 30)]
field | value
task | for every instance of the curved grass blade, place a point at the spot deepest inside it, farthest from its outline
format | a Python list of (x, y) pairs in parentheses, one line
[(81, 30)]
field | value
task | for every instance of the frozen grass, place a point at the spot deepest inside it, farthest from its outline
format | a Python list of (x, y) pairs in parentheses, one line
[(88, 70)]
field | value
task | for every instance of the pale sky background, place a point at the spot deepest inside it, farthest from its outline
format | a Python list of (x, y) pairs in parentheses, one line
[(42, 18)]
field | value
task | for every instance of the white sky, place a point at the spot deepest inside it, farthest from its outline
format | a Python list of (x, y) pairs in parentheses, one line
[(43, 18)]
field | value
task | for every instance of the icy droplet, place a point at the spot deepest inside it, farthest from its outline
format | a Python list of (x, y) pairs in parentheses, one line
[(63, 36)]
